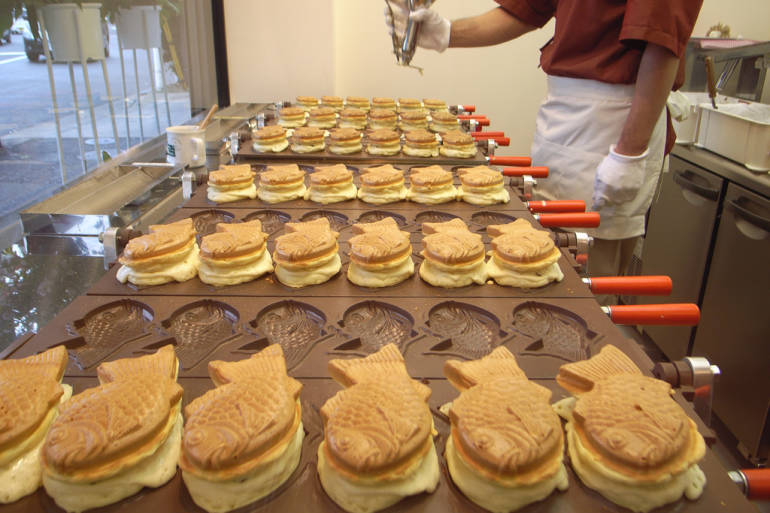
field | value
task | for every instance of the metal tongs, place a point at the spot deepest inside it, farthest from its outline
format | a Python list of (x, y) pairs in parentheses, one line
[(404, 50)]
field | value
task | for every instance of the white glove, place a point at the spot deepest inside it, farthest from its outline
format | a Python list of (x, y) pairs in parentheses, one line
[(618, 178), (679, 105), (434, 29)]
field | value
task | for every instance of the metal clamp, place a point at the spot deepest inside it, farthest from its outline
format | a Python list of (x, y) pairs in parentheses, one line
[(583, 242), (189, 181), (491, 146), (109, 238), (260, 120), (696, 376), (527, 185)]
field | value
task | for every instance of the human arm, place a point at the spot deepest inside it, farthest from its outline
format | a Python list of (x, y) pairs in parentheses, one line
[(491, 28)]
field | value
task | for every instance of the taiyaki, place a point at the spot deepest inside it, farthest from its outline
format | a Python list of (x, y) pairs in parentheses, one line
[(431, 185), (482, 185), (626, 436), (453, 255), (382, 184), (522, 256), (281, 183), (31, 393), (378, 446), (331, 184), (235, 253), (243, 439), (231, 183), (111, 440), (380, 254), (458, 144), (307, 254)]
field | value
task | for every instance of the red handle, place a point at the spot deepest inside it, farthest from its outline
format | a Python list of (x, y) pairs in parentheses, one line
[(502, 141), (471, 116), (641, 285), (482, 122), (469, 108), (534, 172), (582, 258), (559, 206), (509, 161), (674, 314), (487, 135), (759, 483), (571, 220)]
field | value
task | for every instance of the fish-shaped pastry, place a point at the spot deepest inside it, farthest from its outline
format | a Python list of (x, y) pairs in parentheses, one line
[(106, 439), (243, 439), (30, 395)]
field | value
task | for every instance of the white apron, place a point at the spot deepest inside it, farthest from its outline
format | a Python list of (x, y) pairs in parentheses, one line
[(576, 124)]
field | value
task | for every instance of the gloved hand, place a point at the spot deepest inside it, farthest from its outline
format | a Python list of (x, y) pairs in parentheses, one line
[(434, 29), (618, 178)]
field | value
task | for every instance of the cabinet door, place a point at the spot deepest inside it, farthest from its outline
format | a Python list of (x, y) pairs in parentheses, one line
[(734, 331), (679, 234)]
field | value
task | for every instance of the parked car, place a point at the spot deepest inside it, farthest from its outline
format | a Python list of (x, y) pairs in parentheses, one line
[(33, 46)]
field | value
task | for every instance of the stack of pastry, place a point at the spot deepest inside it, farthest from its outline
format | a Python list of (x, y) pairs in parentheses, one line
[(505, 448), (358, 102), (626, 436), (307, 254), (434, 105), (110, 441), (420, 143), (331, 184), (307, 139), (271, 139), (292, 117), (335, 102), (458, 144), (281, 183), (382, 118), (382, 184), (453, 255), (343, 141), (378, 445), (352, 118), (443, 121), (522, 256), (243, 439), (307, 102), (235, 253), (231, 183), (383, 103), (431, 185), (413, 119), (31, 394), (383, 141), (380, 254), (322, 117), (168, 253), (405, 104), (482, 185)]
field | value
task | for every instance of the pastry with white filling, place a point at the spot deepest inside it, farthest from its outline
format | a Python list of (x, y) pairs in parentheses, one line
[(458, 144), (413, 119), (307, 102), (331, 184), (31, 394), (382, 184), (378, 434), (110, 441), (434, 105), (270, 139), (307, 139), (380, 254), (322, 117), (168, 253), (453, 256), (231, 183), (482, 185), (506, 444), (383, 103), (358, 102), (344, 141), (522, 256), (243, 439), (626, 436), (281, 183), (382, 118), (405, 104), (443, 121), (420, 143), (431, 185), (235, 253), (352, 118), (292, 117), (307, 254), (335, 102), (383, 141)]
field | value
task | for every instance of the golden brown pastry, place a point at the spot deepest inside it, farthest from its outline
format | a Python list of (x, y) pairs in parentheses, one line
[(453, 255), (420, 143), (271, 138), (335, 102), (358, 102), (626, 436), (380, 254), (383, 103), (343, 141), (235, 253), (383, 141), (382, 118), (331, 184), (413, 119), (307, 254), (434, 105), (382, 184), (243, 439), (292, 117), (110, 441), (482, 185), (322, 117), (522, 256), (457, 144), (378, 446), (443, 121), (231, 183), (307, 139), (352, 118), (307, 102), (431, 185), (281, 183), (405, 104)]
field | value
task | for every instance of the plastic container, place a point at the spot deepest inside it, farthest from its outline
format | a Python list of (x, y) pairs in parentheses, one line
[(738, 131)]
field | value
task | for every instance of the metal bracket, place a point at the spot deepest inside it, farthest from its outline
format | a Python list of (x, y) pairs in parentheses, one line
[(189, 181), (261, 120), (491, 146), (528, 183), (696, 377), (109, 238)]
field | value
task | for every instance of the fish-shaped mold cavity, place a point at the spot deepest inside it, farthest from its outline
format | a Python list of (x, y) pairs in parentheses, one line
[(337, 220), (557, 332), (434, 216), (292, 325), (373, 216), (485, 218), (205, 222), (272, 220), (374, 324), (107, 328), (199, 328), (468, 331)]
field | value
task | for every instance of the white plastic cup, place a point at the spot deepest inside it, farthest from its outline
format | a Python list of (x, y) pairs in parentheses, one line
[(186, 145)]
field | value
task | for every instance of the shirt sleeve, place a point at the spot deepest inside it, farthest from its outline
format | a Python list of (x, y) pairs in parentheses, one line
[(531, 12), (666, 23)]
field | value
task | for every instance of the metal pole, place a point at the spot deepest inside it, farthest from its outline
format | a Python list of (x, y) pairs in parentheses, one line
[(138, 95), (165, 87), (49, 63), (88, 88), (112, 107), (125, 92), (150, 68), (77, 117)]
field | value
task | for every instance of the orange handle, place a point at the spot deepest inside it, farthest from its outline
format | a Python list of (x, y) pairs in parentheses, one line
[(582, 259), (641, 285), (487, 135), (471, 116), (469, 108), (534, 172), (559, 206), (571, 220), (509, 161), (502, 141), (759, 483), (674, 314), (482, 122)]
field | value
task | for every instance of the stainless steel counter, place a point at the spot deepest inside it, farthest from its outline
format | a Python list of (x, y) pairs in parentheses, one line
[(726, 168)]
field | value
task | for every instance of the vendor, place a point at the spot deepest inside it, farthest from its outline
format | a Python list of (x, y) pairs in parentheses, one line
[(602, 130)]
